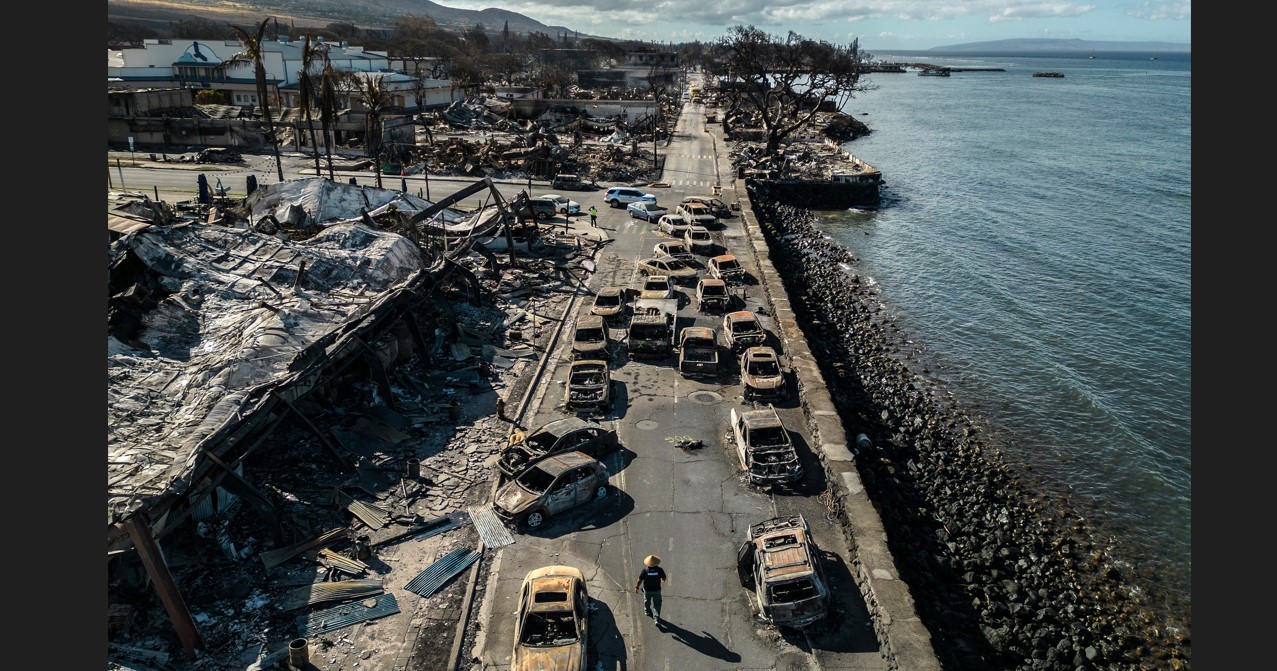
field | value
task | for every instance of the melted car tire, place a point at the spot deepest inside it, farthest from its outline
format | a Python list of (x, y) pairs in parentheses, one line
[(600, 493)]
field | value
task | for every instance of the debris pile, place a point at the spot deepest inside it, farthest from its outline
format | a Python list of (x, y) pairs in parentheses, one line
[(370, 478)]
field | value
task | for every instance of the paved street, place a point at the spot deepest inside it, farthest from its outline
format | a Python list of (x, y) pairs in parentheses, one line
[(689, 506)]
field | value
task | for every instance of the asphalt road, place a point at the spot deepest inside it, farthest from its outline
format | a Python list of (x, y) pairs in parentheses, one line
[(689, 506), (175, 181)]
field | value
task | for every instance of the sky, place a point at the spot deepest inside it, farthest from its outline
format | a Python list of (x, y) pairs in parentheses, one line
[(880, 25)]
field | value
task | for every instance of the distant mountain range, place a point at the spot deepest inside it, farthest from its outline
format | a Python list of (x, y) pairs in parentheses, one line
[(158, 14), (1038, 44)]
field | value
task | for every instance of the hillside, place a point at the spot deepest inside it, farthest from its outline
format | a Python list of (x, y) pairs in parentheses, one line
[(1048, 45), (158, 14)]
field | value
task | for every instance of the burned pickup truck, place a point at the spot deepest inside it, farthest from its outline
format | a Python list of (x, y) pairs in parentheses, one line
[(764, 448), (780, 562), (697, 352)]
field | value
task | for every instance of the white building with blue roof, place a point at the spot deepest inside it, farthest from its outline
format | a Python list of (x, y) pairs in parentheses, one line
[(194, 64)]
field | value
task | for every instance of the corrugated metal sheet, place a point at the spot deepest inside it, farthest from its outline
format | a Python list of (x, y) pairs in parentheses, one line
[(430, 580), (490, 527), (320, 592), (339, 617), (375, 517), (273, 558)]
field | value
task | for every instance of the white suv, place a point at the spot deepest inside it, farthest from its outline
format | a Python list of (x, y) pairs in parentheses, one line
[(624, 195)]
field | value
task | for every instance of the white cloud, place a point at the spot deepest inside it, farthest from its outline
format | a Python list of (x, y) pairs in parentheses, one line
[(1039, 10), (1165, 9)]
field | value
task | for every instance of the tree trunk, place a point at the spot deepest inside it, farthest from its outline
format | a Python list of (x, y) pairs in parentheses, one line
[(314, 141)]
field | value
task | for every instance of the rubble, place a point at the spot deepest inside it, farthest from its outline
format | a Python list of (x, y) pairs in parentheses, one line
[(331, 470), (479, 137)]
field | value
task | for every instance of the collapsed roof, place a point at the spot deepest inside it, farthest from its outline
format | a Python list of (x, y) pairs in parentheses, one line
[(212, 331)]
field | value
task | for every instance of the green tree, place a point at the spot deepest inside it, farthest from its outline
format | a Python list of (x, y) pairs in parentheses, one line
[(210, 97), (253, 53), (785, 80)]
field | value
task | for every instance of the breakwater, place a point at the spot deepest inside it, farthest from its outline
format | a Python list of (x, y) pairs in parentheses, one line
[(1003, 578)]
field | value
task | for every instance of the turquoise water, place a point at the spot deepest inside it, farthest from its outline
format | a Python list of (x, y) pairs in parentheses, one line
[(1035, 236)]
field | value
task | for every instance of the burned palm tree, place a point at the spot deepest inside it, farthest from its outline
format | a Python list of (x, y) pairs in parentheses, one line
[(314, 53), (253, 53), (375, 100), (327, 99)]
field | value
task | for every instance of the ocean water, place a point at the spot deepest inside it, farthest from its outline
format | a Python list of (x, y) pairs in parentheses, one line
[(1035, 238)]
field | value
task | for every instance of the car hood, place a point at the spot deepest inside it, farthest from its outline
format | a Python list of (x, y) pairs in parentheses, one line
[(514, 499), (588, 346), (558, 658)]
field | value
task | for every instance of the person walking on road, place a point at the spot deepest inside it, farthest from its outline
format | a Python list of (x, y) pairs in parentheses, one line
[(594, 216), (650, 580)]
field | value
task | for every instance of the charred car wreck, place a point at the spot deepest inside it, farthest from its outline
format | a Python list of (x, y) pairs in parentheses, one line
[(780, 562)]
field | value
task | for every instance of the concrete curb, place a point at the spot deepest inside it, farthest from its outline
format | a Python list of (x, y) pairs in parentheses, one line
[(905, 642)]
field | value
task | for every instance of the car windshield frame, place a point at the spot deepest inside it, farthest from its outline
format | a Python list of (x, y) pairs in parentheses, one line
[(549, 629), (535, 480)]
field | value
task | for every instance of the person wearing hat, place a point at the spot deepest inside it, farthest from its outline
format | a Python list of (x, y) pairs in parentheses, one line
[(650, 580)]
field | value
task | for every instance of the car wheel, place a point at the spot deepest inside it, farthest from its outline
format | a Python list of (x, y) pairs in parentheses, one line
[(542, 216), (534, 519), (600, 493), (614, 203)]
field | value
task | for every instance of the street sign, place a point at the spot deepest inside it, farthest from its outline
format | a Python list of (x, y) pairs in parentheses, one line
[(130, 143)]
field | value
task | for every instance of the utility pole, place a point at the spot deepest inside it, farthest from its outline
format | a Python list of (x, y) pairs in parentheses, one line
[(656, 122)]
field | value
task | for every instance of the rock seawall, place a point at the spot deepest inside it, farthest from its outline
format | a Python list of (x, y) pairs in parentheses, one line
[(1002, 577)]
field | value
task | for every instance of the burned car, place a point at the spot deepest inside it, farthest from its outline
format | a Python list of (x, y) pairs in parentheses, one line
[(716, 205), (712, 295), (609, 302), (726, 267), (669, 266), (674, 248), (657, 286), (589, 386), (699, 240), (742, 329), (551, 486), (673, 224), (590, 340), (552, 625), (780, 562), (562, 435), (764, 448), (761, 374)]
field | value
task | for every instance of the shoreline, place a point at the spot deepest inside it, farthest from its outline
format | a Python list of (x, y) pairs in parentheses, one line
[(1003, 577)]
